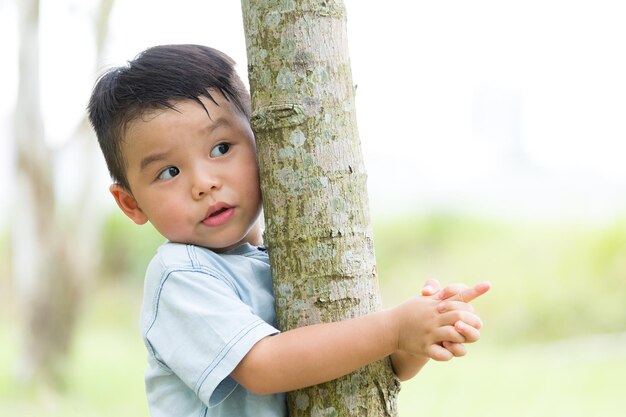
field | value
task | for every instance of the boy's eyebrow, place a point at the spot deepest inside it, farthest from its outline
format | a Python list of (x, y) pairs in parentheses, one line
[(155, 157), (152, 158), (219, 122)]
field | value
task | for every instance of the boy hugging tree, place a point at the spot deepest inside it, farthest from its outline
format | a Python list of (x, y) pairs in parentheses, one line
[(174, 128)]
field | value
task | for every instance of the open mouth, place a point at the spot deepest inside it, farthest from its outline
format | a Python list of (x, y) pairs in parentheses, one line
[(218, 215), (218, 212)]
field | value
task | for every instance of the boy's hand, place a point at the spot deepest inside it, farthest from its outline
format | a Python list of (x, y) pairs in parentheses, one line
[(433, 288), (422, 327)]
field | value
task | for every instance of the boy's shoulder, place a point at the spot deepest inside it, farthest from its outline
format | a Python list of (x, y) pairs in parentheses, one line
[(179, 255), (188, 269), (172, 256)]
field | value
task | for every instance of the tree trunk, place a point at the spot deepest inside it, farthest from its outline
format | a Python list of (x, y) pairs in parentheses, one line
[(314, 188), (49, 255), (46, 299)]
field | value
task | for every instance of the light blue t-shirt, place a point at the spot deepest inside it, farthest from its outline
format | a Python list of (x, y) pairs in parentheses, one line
[(202, 313)]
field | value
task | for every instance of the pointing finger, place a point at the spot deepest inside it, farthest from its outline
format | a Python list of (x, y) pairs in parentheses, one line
[(472, 293)]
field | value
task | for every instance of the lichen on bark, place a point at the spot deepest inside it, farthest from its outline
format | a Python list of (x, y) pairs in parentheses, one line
[(313, 182)]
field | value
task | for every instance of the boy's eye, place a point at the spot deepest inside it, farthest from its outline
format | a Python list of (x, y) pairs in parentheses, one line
[(220, 149), (169, 173)]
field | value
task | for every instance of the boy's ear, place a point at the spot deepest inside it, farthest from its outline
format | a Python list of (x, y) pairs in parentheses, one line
[(128, 204)]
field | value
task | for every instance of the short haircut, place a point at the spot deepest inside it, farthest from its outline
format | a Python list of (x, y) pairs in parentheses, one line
[(155, 79)]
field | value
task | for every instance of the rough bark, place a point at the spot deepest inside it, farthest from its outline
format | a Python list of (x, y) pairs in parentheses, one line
[(314, 188)]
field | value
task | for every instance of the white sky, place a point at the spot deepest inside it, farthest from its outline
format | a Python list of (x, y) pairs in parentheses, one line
[(503, 107)]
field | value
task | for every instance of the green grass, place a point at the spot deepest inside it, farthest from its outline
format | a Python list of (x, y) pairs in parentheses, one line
[(104, 374), (578, 379)]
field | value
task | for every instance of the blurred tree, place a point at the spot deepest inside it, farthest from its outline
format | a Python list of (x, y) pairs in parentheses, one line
[(314, 188), (51, 253)]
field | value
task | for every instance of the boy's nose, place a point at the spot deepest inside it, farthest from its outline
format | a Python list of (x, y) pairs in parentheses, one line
[(204, 183)]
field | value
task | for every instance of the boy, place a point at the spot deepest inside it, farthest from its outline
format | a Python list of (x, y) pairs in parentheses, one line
[(174, 128)]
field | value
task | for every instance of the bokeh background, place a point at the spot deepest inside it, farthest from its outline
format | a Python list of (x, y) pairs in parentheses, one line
[(494, 137)]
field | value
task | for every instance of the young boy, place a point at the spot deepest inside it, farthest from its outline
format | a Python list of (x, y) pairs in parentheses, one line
[(174, 128)]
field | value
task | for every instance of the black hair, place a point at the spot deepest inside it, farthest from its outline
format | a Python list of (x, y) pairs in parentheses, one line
[(155, 79)]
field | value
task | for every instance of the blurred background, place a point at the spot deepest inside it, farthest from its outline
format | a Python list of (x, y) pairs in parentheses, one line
[(494, 137)]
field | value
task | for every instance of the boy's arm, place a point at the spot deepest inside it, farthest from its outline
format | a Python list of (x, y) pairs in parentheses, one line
[(314, 354), (318, 353)]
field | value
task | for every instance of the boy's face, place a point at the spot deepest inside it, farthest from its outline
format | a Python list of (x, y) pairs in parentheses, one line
[(193, 177)]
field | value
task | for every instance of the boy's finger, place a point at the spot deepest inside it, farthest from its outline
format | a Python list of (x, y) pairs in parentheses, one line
[(457, 349), (446, 305), (467, 317), (431, 286), (433, 283), (439, 353), (471, 293), (471, 334), (450, 291)]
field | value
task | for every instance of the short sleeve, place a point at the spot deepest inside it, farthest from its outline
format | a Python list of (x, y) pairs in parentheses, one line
[(201, 330)]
